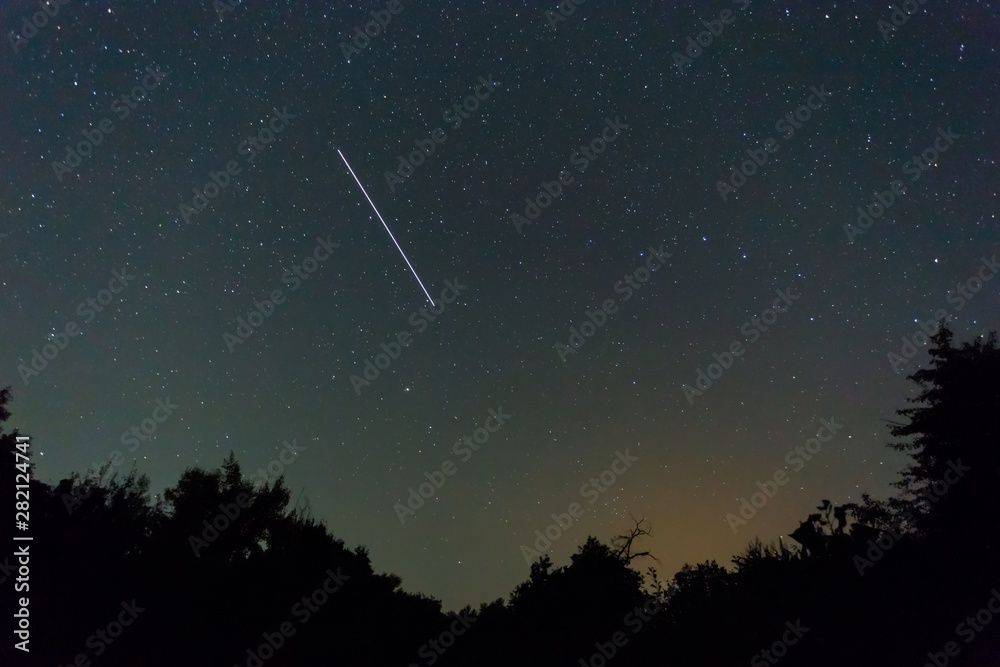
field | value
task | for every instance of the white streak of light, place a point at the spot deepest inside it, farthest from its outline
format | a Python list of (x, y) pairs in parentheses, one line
[(386, 228)]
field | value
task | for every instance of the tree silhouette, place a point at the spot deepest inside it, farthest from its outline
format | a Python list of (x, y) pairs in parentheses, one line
[(220, 562), (623, 543), (954, 441)]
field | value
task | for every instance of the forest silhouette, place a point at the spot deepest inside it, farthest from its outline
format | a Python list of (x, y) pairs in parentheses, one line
[(123, 580)]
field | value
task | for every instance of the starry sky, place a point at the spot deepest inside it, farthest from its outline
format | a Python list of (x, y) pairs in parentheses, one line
[(169, 286)]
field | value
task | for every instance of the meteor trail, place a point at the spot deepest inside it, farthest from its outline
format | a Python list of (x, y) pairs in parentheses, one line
[(386, 227)]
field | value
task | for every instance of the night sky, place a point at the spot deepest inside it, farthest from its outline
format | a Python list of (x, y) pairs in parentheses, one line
[(271, 91)]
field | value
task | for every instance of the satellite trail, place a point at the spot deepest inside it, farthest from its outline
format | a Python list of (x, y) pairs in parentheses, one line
[(386, 228)]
